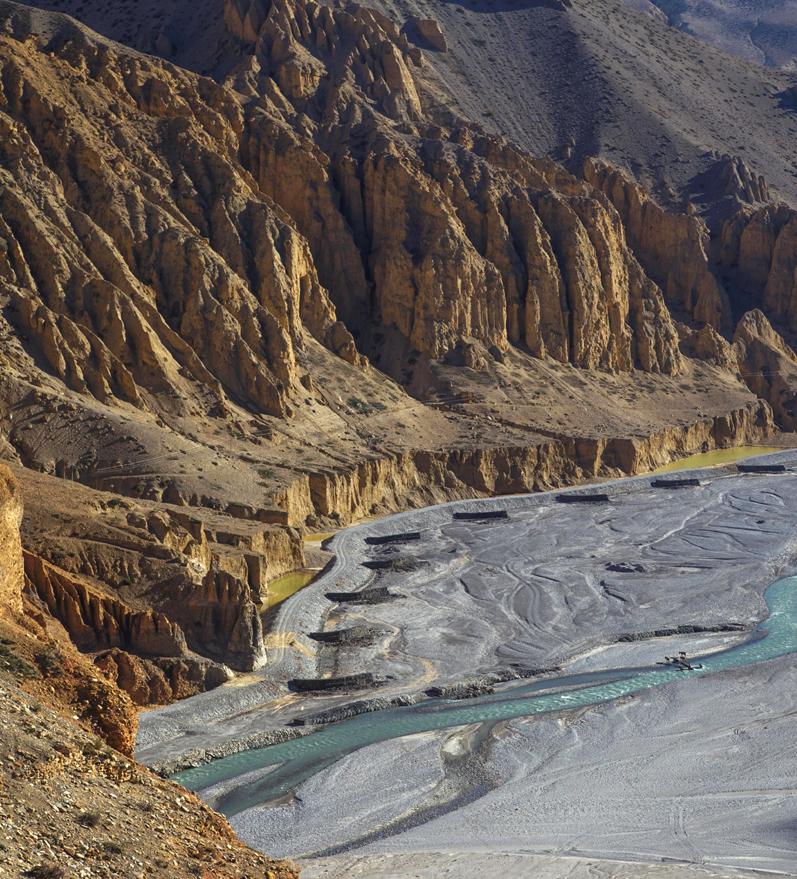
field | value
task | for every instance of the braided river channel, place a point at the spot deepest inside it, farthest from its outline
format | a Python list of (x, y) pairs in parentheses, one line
[(297, 760)]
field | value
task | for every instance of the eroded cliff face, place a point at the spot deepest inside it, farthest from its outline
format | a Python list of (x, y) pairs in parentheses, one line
[(768, 364), (757, 250), (673, 248), (138, 256), (435, 233), (96, 621), (35, 649), (734, 286), (162, 583), (147, 266), (307, 294)]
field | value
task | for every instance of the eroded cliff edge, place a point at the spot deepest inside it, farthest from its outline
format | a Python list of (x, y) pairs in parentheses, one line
[(306, 293), (67, 738)]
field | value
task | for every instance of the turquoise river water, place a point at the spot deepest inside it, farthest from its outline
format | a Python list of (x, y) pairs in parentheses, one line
[(296, 760)]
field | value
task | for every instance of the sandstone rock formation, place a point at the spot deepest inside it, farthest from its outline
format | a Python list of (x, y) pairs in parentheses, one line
[(95, 621), (429, 31), (757, 251), (11, 568), (441, 235), (156, 582), (672, 247), (768, 364), (158, 682)]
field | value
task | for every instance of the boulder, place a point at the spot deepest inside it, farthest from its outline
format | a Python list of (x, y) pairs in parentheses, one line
[(430, 33)]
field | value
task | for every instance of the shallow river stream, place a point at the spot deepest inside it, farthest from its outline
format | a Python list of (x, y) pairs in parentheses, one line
[(298, 759)]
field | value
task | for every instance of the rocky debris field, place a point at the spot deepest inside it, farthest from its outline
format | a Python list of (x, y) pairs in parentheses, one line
[(72, 807)]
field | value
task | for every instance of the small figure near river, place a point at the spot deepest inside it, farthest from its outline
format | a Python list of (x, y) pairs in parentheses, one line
[(680, 662)]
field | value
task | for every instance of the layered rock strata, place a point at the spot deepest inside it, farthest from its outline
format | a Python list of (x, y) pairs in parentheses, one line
[(215, 290), (11, 566)]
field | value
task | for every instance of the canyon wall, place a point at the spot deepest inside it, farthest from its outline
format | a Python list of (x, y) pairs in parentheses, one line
[(214, 290), (420, 478), (167, 246)]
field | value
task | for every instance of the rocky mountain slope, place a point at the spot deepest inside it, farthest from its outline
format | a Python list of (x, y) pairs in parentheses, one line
[(307, 291), (70, 804), (762, 31), (580, 79), (566, 78)]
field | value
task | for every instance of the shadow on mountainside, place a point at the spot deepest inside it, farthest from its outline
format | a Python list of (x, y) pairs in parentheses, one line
[(492, 6)]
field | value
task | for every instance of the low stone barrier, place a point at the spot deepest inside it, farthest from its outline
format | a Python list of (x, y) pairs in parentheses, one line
[(395, 563), (324, 685), (582, 498), (675, 483), (355, 635), (353, 709), (681, 630), (464, 690), (406, 537), (364, 596), (490, 514)]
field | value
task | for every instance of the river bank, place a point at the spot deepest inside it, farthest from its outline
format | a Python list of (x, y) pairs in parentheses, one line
[(551, 582), (285, 586)]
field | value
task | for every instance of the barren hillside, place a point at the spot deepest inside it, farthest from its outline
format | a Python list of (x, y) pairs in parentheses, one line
[(558, 78), (762, 31), (70, 803)]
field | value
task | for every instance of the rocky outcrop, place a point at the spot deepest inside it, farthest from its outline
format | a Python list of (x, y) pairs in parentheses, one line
[(161, 681), (769, 365), (708, 345), (73, 806), (96, 621), (155, 580), (216, 617), (689, 284), (429, 32), (754, 255), (11, 566), (424, 477), (120, 295), (445, 235), (757, 250), (220, 618), (629, 455), (730, 180)]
